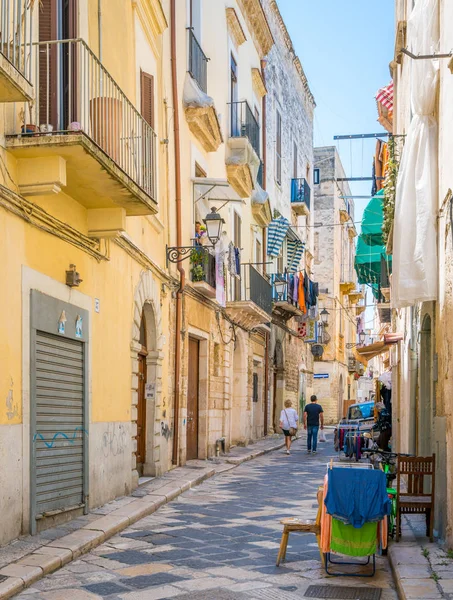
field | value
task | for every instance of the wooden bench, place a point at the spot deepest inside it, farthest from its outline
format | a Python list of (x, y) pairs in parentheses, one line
[(292, 524)]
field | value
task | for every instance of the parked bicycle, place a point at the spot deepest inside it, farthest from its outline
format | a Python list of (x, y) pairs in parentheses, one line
[(387, 461)]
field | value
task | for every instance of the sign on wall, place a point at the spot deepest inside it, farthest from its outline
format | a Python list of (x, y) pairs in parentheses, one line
[(308, 330)]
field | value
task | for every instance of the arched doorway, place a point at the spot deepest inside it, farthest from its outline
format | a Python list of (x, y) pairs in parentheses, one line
[(425, 400), (239, 414), (141, 400), (151, 426), (277, 384), (146, 398)]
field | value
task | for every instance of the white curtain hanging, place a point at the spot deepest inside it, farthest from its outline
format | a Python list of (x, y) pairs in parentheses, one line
[(415, 238)]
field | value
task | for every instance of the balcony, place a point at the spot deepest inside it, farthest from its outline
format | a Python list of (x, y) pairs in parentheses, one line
[(355, 296), (244, 149), (16, 50), (202, 272), (283, 304), (198, 63), (199, 107), (249, 299), (385, 312), (91, 141), (300, 196)]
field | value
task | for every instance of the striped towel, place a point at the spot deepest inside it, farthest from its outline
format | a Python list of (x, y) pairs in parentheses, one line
[(295, 249), (275, 235), (385, 96)]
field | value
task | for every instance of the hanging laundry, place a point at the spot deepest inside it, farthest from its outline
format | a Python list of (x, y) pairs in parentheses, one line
[(220, 274), (296, 290), (349, 541), (294, 249), (301, 293), (231, 259), (357, 496), (237, 254), (276, 233)]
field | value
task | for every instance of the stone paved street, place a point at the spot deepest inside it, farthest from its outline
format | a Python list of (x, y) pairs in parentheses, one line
[(217, 541)]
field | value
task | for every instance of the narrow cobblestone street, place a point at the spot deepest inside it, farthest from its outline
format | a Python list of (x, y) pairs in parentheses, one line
[(217, 541)]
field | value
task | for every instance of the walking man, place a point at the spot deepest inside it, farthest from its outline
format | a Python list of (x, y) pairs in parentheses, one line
[(313, 415)]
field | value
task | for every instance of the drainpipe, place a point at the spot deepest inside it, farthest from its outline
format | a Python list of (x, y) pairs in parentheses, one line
[(100, 29), (267, 336), (174, 80)]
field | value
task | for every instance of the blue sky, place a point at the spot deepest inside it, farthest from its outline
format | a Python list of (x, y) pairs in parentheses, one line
[(345, 47)]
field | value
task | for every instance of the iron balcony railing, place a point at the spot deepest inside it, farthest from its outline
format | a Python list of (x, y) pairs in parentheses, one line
[(300, 191), (202, 266), (244, 124), (16, 30), (198, 62), (251, 287), (77, 94)]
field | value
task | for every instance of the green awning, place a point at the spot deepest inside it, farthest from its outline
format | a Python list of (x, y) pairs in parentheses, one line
[(369, 264), (373, 217)]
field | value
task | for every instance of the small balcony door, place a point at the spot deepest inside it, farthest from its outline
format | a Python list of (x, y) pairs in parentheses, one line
[(57, 63)]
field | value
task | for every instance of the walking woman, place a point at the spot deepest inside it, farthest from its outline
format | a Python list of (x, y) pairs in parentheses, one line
[(288, 423)]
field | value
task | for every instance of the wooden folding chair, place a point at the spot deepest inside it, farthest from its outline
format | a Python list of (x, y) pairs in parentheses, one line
[(416, 499), (308, 525)]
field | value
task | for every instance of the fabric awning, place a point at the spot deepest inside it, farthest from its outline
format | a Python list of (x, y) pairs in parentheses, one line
[(372, 221), (368, 262), (385, 96), (276, 233), (373, 350)]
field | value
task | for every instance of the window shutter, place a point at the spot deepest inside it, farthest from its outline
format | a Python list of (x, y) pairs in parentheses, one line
[(147, 98), (47, 62)]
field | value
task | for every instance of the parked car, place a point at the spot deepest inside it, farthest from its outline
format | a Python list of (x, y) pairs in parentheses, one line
[(363, 411)]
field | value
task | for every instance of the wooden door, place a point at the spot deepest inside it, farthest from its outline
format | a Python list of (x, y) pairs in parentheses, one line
[(141, 413), (192, 399)]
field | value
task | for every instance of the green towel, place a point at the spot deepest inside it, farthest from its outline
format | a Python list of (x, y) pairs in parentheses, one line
[(350, 541)]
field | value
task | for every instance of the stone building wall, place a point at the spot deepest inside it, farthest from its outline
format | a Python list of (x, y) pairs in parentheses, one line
[(288, 95), (334, 265)]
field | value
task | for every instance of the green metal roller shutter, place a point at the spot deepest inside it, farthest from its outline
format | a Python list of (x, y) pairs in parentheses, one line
[(59, 423)]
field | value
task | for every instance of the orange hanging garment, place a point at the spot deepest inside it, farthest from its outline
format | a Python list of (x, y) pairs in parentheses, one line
[(301, 294)]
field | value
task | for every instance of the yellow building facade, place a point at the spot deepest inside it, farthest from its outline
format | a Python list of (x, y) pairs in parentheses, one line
[(83, 216), (129, 342)]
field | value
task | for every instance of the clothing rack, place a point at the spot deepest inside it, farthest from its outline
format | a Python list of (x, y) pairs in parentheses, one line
[(351, 429), (343, 465), (360, 561)]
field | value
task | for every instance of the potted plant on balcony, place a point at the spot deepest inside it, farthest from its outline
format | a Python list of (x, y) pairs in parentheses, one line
[(27, 128), (198, 259)]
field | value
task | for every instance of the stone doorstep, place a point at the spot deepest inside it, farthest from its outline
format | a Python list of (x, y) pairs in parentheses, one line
[(66, 549)]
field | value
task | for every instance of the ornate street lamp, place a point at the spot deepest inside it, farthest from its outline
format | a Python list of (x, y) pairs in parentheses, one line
[(214, 224), (362, 337), (324, 316), (280, 284)]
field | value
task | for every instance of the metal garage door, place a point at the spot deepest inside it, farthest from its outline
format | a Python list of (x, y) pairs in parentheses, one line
[(59, 430)]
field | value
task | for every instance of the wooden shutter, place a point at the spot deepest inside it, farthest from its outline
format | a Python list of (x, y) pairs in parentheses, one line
[(147, 97), (47, 63)]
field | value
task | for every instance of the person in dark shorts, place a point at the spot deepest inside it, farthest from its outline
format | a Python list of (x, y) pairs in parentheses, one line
[(288, 422), (313, 418)]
